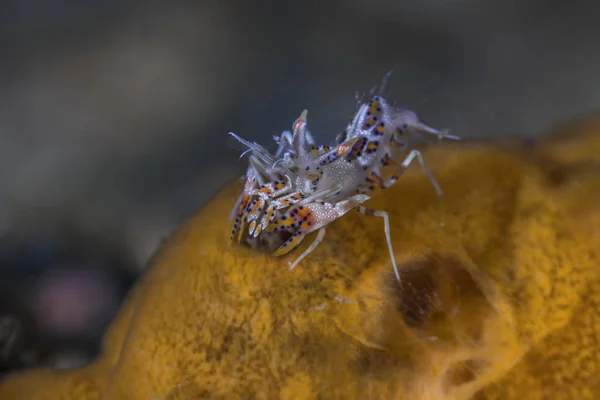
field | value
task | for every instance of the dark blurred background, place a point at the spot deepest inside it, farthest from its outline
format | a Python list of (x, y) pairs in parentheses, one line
[(114, 115)]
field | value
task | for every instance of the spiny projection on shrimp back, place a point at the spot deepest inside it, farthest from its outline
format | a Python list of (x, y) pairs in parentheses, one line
[(304, 187)]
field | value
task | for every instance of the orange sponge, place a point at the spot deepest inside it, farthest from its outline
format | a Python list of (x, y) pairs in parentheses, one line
[(499, 298)]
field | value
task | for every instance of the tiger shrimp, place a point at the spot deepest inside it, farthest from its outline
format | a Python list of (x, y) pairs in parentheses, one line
[(269, 187), (264, 181), (323, 183), (346, 175)]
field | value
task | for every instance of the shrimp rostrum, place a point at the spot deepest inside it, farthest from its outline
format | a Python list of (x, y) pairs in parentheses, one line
[(311, 186)]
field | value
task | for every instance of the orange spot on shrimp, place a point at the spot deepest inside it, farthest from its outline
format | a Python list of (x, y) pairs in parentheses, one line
[(343, 148), (289, 245), (252, 226), (376, 179), (284, 220), (255, 208), (375, 107), (357, 148), (243, 203), (298, 123), (240, 220), (308, 221), (369, 123)]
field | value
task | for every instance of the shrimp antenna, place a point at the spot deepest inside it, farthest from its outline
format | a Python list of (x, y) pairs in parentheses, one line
[(384, 82), (243, 141), (246, 152), (251, 146)]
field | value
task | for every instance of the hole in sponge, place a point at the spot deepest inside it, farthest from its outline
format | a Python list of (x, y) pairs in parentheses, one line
[(439, 298)]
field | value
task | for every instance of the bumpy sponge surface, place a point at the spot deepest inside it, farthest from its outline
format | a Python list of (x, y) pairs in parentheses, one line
[(499, 297)]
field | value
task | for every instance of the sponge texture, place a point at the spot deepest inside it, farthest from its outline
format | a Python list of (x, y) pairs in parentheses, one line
[(499, 297)]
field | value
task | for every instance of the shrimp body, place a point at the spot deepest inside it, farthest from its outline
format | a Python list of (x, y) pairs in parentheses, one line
[(304, 187), (365, 149)]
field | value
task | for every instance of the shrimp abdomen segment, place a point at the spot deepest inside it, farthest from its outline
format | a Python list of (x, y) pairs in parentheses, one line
[(304, 219)]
